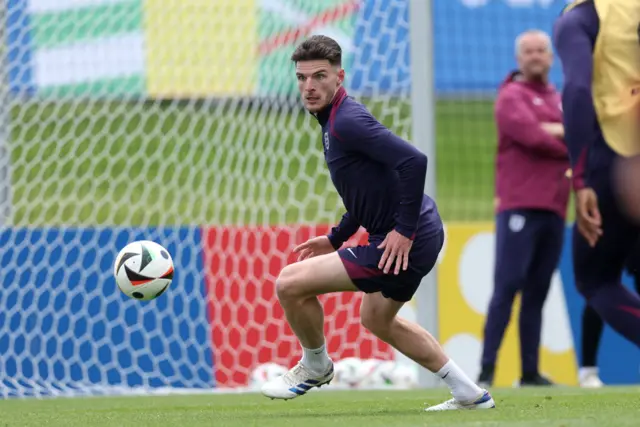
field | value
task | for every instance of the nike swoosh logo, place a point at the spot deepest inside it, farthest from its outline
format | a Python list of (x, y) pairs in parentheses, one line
[(445, 375), (351, 252)]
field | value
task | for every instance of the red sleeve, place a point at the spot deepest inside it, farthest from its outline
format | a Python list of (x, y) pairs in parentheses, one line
[(516, 119), (577, 177)]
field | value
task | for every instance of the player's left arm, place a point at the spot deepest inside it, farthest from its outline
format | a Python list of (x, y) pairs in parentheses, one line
[(364, 134), (574, 36)]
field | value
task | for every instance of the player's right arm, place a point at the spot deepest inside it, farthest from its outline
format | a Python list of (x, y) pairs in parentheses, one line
[(516, 119), (321, 245), (343, 231)]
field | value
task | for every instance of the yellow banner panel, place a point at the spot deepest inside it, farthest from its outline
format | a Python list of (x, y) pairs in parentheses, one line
[(199, 48)]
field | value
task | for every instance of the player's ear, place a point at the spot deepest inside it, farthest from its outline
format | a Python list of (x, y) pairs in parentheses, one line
[(340, 75)]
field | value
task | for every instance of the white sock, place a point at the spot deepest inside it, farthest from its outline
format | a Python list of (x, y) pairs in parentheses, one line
[(316, 359), (462, 388)]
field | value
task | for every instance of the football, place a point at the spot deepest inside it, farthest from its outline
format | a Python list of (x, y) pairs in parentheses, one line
[(348, 372), (143, 270), (266, 372)]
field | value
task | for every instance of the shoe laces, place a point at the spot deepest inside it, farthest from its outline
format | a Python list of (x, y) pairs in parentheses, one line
[(296, 375)]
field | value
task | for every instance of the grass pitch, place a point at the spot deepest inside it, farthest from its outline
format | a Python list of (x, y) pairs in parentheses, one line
[(558, 407)]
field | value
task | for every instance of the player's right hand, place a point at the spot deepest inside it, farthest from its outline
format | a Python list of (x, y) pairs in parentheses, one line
[(588, 219), (313, 247)]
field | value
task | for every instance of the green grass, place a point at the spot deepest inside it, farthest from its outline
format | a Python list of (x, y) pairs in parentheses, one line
[(112, 163), (515, 408)]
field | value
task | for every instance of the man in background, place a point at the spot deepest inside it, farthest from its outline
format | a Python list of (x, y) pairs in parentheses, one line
[(532, 193)]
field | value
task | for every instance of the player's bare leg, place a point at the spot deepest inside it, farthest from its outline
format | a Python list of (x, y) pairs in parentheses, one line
[(379, 315), (298, 287)]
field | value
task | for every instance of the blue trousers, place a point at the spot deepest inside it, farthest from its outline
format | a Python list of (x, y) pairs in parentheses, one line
[(528, 248)]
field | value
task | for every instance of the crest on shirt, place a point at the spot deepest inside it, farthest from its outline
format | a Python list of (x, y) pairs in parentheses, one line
[(326, 141), (516, 222)]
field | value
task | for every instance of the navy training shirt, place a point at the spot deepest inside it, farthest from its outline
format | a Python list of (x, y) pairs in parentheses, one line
[(574, 35), (379, 176)]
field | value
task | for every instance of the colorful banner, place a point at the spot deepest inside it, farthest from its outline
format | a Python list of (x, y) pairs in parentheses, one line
[(65, 326), (166, 48), (203, 48)]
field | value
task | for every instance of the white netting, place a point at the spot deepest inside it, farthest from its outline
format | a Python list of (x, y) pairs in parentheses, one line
[(174, 121)]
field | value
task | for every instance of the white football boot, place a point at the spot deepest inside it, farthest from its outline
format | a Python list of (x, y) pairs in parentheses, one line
[(589, 378), (297, 382), (483, 402)]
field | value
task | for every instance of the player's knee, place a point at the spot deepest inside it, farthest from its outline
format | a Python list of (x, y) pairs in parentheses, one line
[(374, 323), (288, 283), (503, 296)]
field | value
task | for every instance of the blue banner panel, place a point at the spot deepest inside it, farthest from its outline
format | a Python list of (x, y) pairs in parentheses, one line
[(66, 328)]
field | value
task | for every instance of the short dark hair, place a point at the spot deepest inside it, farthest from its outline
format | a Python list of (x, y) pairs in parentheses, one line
[(317, 48)]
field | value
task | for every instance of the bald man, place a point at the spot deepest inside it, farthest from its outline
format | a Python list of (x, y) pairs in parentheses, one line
[(532, 192)]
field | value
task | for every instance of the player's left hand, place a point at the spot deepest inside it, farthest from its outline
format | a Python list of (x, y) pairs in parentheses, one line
[(396, 251)]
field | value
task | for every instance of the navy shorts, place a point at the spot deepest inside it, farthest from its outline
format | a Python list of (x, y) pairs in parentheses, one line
[(361, 263)]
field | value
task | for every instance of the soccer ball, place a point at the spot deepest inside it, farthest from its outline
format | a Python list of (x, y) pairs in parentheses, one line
[(372, 374), (397, 375), (347, 372), (404, 376), (388, 374), (143, 270), (266, 372)]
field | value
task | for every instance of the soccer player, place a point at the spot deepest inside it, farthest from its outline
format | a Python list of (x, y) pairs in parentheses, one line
[(380, 178), (592, 326), (532, 193), (597, 43)]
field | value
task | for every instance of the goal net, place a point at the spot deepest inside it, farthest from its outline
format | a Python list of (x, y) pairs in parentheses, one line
[(178, 121), (174, 121)]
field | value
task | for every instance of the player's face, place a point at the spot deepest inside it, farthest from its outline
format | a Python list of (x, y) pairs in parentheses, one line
[(318, 82), (535, 57)]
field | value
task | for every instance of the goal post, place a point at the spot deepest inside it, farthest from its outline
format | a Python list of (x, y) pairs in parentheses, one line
[(5, 162), (423, 136), (178, 122)]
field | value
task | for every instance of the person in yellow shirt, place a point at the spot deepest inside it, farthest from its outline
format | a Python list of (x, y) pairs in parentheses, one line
[(599, 50)]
